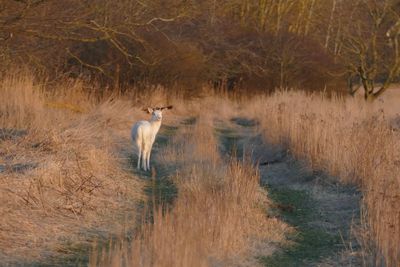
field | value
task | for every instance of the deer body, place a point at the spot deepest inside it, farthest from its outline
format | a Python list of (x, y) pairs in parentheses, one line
[(143, 135)]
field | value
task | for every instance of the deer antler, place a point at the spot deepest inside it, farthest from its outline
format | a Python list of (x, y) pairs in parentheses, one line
[(167, 107)]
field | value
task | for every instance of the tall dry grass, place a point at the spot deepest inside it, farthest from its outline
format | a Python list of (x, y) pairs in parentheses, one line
[(61, 170), (218, 218), (351, 139), (74, 148)]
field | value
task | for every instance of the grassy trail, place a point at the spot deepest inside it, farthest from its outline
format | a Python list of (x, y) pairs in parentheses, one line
[(159, 189), (321, 210)]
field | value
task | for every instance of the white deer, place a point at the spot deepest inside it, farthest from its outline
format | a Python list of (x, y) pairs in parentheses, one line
[(144, 133)]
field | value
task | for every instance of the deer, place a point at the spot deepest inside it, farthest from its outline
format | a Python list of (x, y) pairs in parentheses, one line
[(144, 133)]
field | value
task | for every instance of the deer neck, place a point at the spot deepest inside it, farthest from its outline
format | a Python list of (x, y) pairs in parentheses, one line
[(155, 124)]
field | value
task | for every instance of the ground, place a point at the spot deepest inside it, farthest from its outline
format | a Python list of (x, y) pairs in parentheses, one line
[(322, 210)]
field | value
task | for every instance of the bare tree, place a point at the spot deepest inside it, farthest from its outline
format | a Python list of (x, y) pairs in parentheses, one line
[(371, 48)]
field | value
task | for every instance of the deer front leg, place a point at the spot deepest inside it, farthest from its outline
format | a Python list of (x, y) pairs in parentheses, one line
[(148, 159)]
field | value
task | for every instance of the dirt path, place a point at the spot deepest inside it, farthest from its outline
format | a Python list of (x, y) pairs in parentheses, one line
[(321, 210)]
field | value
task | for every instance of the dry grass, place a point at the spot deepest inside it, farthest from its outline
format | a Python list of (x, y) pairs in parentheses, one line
[(218, 219), (63, 174), (77, 179), (350, 139)]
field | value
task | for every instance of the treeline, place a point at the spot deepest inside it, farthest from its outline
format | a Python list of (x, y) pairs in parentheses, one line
[(261, 44)]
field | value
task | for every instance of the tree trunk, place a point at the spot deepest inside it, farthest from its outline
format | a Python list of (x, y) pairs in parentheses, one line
[(262, 4), (368, 90), (279, 16), (369, 97), (309, 18), (328, 32)]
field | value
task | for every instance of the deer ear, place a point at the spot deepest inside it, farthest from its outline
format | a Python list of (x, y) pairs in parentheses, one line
[(148, 110)]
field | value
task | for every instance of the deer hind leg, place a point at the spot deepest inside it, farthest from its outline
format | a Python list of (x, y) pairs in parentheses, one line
[(139, 151)]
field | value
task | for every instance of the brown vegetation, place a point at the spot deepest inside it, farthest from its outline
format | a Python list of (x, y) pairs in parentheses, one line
[(64, 155), (350, 139), (219, 216), (244, 44), (64, 129), (61, 170)]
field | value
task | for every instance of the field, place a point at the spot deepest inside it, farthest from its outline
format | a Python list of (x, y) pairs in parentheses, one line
[(236, 181)]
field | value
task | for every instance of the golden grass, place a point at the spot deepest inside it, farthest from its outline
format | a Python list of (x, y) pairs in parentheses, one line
[(218, 218), (79, 144), (350, 139), (76, 181)]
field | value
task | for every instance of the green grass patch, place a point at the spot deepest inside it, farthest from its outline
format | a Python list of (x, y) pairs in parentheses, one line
[(230, 141), (310, 243), (189, 121), (244, 122)]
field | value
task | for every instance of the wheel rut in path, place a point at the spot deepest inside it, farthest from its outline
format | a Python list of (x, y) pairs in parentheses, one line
[(321, 210)]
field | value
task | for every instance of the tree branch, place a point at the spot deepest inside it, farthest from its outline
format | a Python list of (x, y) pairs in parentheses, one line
[(98, 68)]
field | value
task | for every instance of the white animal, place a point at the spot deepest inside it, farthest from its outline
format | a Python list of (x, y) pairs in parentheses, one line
[(144, 133)]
